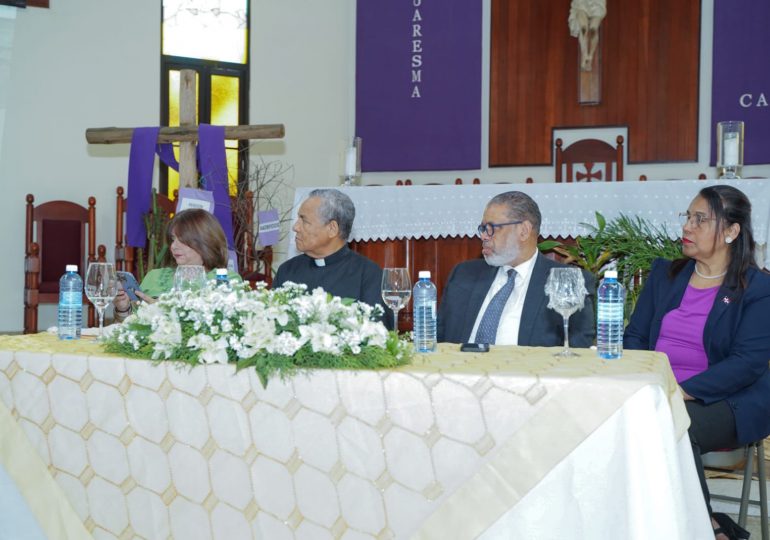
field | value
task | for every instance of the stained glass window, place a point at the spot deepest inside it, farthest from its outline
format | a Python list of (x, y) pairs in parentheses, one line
[(206, 29), (210, 37)]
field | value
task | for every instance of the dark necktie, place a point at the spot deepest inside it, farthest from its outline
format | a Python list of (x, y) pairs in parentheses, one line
[(487, 331)]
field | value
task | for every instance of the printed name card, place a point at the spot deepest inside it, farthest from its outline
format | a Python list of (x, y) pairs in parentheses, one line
[(269, 227)]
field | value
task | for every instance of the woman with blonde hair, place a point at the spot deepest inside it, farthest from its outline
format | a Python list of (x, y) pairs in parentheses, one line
[(195, 237)]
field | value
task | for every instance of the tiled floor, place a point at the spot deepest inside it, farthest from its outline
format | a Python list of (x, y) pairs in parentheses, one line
[(733, 488)]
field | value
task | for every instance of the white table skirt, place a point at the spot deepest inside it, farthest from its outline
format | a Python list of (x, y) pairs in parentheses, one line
[(442, 448), (648, 487), (391, 212)]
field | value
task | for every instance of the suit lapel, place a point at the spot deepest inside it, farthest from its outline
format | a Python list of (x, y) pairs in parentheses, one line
[(675, 294), (476, 299), (534, 301), (726, 298)]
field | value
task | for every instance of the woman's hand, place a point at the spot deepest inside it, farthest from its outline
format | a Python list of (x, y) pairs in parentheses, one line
[(122, 302), (144, 297)]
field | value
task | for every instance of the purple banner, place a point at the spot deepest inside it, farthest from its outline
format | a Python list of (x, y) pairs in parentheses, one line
[(741, 76), (418, 84)]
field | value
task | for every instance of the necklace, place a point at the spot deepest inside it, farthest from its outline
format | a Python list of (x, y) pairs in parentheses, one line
[(717, 276)]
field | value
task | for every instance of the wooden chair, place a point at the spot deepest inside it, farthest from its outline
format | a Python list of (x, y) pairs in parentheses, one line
[(589, 153), (125, 255), (57, 233)]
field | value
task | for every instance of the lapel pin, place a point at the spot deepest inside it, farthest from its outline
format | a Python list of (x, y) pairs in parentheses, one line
[(726, 299)]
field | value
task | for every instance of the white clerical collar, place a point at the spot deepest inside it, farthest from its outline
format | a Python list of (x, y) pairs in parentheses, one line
[(331, 259)]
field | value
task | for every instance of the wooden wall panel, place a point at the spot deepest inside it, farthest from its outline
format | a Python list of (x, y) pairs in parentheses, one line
[(650, 74)]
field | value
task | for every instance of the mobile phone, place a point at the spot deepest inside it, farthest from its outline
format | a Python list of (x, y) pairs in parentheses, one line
[(474, 347), (130, 285)]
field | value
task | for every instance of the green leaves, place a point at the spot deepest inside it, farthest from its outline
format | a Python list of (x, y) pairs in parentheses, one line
[(632, 243), (396, 353)]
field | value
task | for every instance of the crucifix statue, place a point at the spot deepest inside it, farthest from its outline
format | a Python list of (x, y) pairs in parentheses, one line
[(585, 18), (187, 132)]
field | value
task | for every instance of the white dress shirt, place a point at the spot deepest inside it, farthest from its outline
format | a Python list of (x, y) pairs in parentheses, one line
[(508, 330)]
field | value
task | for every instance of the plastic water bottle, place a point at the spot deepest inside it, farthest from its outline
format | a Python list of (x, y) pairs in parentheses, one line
[(609, 318), (222, 279), (424, 314), (70, 304)]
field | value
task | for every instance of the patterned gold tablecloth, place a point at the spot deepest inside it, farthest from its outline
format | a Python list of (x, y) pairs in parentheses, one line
[(159, 450)]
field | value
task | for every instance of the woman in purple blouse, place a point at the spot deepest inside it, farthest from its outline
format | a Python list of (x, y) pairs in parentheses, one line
[(708, 311)]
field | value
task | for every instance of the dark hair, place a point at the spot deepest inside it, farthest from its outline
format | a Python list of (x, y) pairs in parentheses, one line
[(729, 205), (335, 206), (201, 231), (520, 206)]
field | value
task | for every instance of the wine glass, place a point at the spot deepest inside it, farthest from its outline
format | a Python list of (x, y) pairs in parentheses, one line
[(566, 290), (396, 290), (101, 287), (189, 277)]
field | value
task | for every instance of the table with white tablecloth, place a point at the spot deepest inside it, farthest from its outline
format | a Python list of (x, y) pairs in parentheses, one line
[(515, 443), (395, 212)]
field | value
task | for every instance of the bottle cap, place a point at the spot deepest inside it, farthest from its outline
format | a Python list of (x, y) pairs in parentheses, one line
[(611, 274), (71, 268), (221, 272), (424, 274)]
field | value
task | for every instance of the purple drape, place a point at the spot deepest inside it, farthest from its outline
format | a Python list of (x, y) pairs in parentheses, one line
[(140, 164), (212, 164)]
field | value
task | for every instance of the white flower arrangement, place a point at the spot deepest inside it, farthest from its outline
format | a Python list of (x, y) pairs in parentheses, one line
[(279, 330)]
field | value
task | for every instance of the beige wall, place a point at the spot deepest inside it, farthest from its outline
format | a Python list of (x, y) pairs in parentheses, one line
[(85, 64)]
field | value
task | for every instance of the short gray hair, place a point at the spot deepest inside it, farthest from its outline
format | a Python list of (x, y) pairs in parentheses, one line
[(336, 206), (519, 206)]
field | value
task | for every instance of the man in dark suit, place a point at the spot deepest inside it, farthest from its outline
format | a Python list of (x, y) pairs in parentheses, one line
[(501, 299)]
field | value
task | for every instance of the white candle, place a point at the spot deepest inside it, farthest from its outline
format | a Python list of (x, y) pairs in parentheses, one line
[(350, 161), (731, 150)]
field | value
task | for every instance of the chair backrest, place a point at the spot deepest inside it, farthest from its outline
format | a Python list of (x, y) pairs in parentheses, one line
[(64, 233), (57, 233), (594, 156)]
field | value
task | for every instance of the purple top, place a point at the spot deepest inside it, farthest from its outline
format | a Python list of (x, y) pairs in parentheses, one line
[(681, 333)]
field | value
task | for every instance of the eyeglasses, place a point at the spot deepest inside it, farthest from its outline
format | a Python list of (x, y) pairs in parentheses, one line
[(695, 219), (489, 228)]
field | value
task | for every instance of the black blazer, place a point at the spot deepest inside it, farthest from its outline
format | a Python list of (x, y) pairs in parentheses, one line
[(467, 287), (736, 338)]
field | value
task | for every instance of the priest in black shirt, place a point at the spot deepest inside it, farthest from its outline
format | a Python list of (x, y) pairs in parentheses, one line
[(321, 233)]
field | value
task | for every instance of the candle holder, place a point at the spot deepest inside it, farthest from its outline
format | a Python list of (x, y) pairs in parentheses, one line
[(352, 176), (729, 149)]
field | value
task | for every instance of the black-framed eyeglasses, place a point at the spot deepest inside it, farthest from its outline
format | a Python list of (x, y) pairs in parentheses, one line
[(695, 219), (489, 228)]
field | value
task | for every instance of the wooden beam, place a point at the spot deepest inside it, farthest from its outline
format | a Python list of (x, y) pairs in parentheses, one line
[(116, 135), (188, 109)]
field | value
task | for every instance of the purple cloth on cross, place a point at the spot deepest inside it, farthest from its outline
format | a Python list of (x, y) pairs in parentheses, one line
[(140, 164), (212, 164)]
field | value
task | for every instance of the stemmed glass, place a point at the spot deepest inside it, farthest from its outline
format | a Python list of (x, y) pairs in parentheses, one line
[(396, 290), (566, 290), (101, 287), (189, 277)]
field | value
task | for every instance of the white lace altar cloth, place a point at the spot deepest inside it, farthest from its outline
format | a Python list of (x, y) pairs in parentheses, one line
[(391, 212)]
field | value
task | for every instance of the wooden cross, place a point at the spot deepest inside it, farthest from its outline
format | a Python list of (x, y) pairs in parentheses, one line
[(187, 132)]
